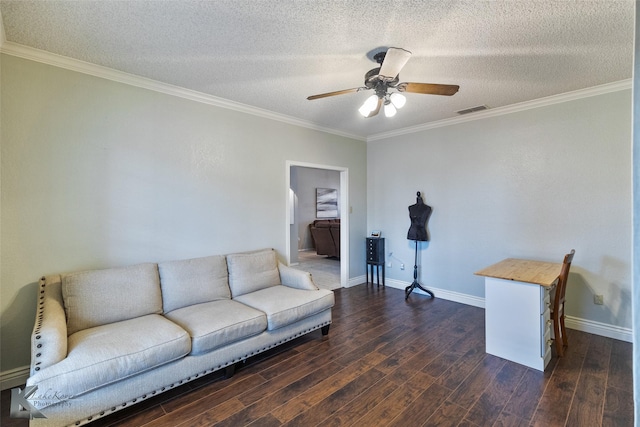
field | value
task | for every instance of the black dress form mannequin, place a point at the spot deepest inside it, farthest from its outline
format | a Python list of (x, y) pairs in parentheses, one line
[(419, 214)]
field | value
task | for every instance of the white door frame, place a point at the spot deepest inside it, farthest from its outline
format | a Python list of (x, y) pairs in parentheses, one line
[(344, 215)]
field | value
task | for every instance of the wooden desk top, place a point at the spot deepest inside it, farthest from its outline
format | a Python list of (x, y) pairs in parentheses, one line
[(522, 270)]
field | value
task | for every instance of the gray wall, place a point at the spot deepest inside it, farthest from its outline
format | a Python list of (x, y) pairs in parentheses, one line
[(530, 184), (98, 174)]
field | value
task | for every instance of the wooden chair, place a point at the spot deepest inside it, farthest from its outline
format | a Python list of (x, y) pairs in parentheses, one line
[(557, 305)]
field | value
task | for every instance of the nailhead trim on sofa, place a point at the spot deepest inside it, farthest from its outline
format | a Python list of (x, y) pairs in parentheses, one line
[(208, 371), (39, 321)]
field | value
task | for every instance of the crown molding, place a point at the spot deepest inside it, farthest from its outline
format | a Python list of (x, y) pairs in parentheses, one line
[(500, 111), (76, 65), (37, 55)]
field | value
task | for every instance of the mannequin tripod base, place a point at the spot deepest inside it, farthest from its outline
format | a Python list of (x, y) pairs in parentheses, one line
[(411, 287), (415, 284)]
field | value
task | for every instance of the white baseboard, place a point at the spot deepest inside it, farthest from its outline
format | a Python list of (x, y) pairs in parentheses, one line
[(584, 325), (355, 281), (14, 377), (597, 328), (440, 293)]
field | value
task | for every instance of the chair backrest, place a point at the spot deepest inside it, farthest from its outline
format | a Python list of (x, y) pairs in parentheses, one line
[(561, 287)]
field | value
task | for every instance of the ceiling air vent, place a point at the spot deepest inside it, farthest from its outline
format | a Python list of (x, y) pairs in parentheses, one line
[(472, 109)]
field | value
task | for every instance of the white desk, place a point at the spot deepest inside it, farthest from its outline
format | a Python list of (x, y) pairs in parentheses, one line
[(517, 308)]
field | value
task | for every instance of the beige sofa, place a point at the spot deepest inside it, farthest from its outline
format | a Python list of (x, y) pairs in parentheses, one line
[(107, 339)]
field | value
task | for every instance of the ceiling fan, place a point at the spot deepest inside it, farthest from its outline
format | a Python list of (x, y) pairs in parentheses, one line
[(385, 78)]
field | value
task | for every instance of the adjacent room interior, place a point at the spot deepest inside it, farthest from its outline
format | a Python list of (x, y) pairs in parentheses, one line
[(315, 231)]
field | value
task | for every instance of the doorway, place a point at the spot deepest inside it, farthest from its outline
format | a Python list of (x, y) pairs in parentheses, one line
[(291, 227)]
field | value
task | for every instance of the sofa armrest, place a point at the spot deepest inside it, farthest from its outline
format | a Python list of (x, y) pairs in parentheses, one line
[(49, 337), (296, 278)]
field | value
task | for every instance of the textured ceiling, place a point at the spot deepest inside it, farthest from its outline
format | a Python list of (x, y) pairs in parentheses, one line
[(272, 54)]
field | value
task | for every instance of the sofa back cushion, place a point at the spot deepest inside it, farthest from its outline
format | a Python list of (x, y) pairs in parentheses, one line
[(252, 271), (99, 297), (193, 281)]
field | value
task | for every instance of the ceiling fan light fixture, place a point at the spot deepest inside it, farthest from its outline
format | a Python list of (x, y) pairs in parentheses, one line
[(398, 100), (386, 78), (369, 105), (389, 109)]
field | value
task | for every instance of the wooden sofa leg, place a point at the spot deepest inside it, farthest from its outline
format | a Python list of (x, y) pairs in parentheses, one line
[(325, 330), (230, 370)]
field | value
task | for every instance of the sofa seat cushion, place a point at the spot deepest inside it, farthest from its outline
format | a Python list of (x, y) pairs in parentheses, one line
[(217, 323), (284, 305), (105, 354)]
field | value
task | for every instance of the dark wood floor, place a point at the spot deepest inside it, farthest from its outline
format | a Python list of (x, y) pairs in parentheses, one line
[(391, 362)]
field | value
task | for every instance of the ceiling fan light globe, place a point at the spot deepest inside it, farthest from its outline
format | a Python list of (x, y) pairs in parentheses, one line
[(364, 110), (371, 103), (398, 100), (389, 110)]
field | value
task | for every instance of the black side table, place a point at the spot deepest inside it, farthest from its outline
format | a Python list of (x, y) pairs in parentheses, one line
[(375, 258)]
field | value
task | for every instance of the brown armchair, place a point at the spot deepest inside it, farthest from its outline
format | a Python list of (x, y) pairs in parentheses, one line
[(325, 234)]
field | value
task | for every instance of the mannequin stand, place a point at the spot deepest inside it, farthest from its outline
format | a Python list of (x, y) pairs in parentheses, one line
[(415, 284)]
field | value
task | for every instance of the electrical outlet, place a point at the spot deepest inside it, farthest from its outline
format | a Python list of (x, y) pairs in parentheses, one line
[(598, 299), (389, 265), (401, 266)]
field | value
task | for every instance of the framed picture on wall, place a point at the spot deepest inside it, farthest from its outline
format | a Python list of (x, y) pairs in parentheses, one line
[(326, 203)]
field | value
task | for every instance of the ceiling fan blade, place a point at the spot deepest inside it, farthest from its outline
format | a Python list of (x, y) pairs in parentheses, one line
[(428, 88), (377, 109), (338, 92), (393, 62)]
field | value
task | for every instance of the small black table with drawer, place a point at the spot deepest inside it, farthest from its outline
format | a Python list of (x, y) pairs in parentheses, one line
[(375, 258)]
